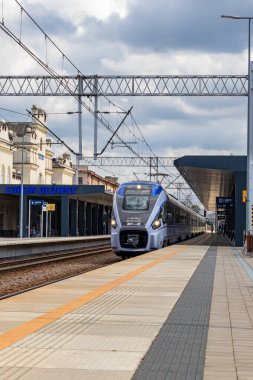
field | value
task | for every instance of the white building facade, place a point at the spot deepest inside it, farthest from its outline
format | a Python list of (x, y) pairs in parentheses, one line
[(26, 148), (31, 153), (37, 152)]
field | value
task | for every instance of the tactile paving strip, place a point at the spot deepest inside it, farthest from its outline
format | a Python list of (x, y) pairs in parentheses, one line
[(178, 352)]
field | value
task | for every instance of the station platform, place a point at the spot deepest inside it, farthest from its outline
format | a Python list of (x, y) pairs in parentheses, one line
[(182, 312), (16, 247)]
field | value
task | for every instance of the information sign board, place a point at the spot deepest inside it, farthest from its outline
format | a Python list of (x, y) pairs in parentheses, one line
[(223, 202), (51, 207), (37, 202), (244, 196)]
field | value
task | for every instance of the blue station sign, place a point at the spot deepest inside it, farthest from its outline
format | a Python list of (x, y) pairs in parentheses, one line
[(41, 190), (37, 202)]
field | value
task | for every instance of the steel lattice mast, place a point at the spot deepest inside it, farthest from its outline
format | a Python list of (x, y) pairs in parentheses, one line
[(125, 85), (130, 161)]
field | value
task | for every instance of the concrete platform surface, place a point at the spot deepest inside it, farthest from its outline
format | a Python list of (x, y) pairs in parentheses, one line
[(183, 312)]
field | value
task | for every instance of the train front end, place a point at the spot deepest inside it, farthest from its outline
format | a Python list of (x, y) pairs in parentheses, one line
[(133, 220)]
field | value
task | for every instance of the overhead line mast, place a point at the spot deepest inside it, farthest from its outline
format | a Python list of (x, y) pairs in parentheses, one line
[(61, 82), (95, 86), (124, 85)]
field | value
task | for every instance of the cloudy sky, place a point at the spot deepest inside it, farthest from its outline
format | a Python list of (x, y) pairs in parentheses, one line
[(118, 37)]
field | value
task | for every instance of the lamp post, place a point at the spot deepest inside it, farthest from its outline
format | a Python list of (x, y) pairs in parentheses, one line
[(79, 155), (249, 204), (27, 129), (20, 130)]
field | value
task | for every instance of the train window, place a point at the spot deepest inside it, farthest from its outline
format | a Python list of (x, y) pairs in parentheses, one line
[(136, 199), (135, 202), (165, 214)]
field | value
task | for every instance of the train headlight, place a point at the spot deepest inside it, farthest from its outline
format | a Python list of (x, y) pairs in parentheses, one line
[(156, 224), (113, 223)]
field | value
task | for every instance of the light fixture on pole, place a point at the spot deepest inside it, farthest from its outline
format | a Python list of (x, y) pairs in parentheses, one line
[(21, 129), (62, 113), (79, 155), (27, 129), (249, 203)]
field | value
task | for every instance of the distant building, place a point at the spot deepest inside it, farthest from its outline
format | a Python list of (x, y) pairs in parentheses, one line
[(88, 177), (63, 172), (25, 146), (36, 150)]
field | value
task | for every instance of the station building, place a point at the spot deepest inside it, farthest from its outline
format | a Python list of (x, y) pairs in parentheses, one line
[(56, 203), (53, 204), (219, 181)]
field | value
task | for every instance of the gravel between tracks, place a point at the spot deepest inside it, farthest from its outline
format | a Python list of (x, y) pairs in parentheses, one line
[(20, 279)]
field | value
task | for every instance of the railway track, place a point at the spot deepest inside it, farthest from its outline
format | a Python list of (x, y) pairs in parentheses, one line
[(24, 274), (28, 261)]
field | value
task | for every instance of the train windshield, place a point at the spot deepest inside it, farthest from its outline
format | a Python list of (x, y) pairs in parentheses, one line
[(136, 199)]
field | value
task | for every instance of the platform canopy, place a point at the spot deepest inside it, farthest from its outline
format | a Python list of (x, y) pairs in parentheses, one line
[(211, 176), (104, 198), (94, 194)]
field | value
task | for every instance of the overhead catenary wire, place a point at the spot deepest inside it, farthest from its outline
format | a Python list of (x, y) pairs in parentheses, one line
[(8, 110), (52, 133), (47, 37), (49, 131), (58, 138), (2, 11), (59, 79), (101, 119), (61, 82), (144, 140), (25, 146), (65, 83)]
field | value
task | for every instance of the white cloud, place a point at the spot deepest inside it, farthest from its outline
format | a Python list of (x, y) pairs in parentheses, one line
[(120, 37), (74, 11), (177, 63)]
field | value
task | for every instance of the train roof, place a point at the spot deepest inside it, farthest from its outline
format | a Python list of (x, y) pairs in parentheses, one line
[(156, 188), (140, 183)]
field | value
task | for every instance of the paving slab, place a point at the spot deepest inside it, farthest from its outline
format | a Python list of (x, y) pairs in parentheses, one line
[(178, 352), (230, 332), (112, 326), (109, 335)]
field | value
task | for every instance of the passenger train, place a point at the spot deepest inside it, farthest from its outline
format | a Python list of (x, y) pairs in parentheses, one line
[(145, 218)]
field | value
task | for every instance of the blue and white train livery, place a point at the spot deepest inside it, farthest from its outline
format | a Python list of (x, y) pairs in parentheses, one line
[(145, 218)]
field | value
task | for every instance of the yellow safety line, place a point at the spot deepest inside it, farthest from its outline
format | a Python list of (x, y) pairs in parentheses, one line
[(27, 328)]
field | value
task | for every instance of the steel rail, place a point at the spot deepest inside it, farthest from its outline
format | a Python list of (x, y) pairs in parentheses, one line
[(47, 258), (46, 283)]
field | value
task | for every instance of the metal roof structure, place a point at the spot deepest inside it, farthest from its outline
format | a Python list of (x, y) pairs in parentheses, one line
[(211, 176)]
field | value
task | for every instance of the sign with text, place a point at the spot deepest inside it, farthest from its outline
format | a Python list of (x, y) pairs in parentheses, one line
[(223, 202), (41, 190), (37, 202)]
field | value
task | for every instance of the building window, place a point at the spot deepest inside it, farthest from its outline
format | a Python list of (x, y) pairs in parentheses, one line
[(9, 175), (3, 174), (40, 179), (80, 180)]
